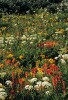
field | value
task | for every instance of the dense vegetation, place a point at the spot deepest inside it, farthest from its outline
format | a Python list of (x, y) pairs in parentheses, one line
[(33, 50), (22, 6)]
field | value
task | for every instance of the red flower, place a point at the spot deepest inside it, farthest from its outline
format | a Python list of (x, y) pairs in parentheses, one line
[(41, 44), (49, 72), (56, 80), (54, 68), (34, 70)]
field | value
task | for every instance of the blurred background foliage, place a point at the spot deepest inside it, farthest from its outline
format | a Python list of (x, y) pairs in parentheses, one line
[(31, 6)]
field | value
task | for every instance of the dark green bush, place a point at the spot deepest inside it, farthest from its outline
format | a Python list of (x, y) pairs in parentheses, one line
[(55, 1), (21, 6), (52, 8)]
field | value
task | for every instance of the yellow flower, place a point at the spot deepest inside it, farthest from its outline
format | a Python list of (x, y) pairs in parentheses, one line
[(1, 65), (10, 56), (40, 33), (23, 79), (21, 57), (3, 28), (1, 86), (51, 60), (37, 63), (19, 71), (60, 31), (31, 73), (43, 56), (39, 69)]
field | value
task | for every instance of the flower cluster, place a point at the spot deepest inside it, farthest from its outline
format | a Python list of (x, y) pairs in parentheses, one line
[(3, 93)]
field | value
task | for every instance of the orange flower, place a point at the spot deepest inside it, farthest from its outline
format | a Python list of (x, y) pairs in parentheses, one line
[(21, 80), (50, 44), (1, 65), (8, 62), (26, 74), (16, 64), (13, 76), (13, 60), (45, 67)]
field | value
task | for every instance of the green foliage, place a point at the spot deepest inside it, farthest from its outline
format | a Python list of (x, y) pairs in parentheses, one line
[(21, 6)]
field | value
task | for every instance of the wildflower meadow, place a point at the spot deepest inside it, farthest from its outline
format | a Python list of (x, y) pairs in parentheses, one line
[(34, 55)]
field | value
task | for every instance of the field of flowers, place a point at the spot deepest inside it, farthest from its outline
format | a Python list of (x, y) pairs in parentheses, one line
[(34, 56)]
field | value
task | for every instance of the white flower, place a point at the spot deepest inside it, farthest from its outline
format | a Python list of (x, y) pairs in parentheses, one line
[(45, 79), (28, 11), (62, 61), (66, 29), (23, 42), (39, 83), (47, 92), (36, 87), (31, 42), (2, 97), (28, 87), (1, 41), (15, 24), (60, 55), (30, 38), (8, 82), (47, 84), (3, 94), (32, 80), (58, 32), (1, 90), (2, 74), (56, 58), (23, 37), (42, 15), (65, 56), (10, 38), (34, 38)]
